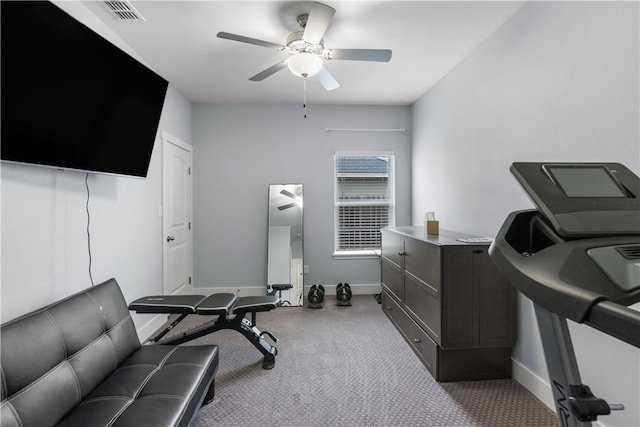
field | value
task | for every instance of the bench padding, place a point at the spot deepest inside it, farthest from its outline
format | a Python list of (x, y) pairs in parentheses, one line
[(214, 305), (172, 304), (255, 304), (78, 362), (217, 304)]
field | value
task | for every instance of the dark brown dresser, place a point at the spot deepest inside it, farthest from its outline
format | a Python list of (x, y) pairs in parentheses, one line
[(450, 303)]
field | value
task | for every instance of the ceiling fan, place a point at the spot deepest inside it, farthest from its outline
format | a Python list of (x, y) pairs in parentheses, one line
[(306, 49), (292, 196)]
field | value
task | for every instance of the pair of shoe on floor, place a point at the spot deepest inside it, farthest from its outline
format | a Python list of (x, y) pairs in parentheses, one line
[(343, 292), (316, 294)]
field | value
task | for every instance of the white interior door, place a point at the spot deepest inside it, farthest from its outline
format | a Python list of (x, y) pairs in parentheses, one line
[(177, 214), (297, 270)]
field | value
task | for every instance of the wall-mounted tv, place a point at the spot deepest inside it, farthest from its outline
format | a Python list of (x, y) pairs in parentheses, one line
[(71, 99)]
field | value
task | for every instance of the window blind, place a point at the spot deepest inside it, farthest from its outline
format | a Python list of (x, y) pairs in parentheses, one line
[(364, 200)]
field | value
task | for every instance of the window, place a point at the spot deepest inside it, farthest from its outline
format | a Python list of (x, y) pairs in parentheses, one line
[(364, 201)]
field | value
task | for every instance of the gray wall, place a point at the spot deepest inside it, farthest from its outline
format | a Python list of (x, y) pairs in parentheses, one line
[(44, 238), (557, 82), (240, 149)]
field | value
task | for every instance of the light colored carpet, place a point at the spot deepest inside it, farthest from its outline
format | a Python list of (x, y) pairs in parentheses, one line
[(349, 366)]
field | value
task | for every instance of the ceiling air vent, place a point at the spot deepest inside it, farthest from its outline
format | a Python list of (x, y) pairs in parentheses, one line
[(123, 10), (629, 252)]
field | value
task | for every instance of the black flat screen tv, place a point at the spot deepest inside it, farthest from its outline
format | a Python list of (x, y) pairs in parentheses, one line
[(70, 98)]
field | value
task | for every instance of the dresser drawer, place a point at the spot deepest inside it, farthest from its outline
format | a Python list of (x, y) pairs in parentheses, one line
[(392, 247), (422, 303), (422, 260), (420, 343), (392, 279), (392, 309)]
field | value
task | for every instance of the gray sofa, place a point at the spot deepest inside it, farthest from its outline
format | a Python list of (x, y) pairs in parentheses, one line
[(78, 362)]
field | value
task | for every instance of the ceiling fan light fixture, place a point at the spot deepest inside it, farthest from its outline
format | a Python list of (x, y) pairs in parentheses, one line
[(304, 64)]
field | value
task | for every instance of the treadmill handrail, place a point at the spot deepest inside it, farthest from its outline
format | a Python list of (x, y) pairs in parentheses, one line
[(546, 287), (616, 320)]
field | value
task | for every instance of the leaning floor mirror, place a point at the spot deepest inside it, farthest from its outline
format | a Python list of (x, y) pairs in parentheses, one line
[(285, 261)]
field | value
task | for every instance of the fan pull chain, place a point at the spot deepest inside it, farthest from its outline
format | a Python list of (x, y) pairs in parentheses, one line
[(304, 96)]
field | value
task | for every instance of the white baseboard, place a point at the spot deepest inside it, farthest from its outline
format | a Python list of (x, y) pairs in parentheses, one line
[(539, 387), (245, 291), (356, 289), (240, 291), (532, 382), (147, 330)]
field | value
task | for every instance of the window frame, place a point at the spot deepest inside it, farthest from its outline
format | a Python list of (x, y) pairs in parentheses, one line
[(391, 201)]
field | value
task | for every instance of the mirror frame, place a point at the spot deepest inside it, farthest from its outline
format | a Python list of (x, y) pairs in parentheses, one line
[(285, 257)]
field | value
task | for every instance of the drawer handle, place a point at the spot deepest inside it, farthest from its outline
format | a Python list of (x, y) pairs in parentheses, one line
[(389, 307), (417, 341), (402, 253)]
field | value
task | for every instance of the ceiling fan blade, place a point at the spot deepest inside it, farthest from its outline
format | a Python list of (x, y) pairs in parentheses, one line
[(377, 55), (288, 194), (326, 80), (290, 205), (269, 71), (243, 39), (317, 23)]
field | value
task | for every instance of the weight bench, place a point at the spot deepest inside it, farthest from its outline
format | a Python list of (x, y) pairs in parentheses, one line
[(231, 312), (279, 289)]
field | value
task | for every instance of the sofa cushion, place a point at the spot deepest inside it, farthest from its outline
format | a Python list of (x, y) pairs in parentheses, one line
[(157, 386)]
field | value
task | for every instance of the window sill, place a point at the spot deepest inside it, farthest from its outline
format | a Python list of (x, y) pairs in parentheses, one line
[(369, 254)]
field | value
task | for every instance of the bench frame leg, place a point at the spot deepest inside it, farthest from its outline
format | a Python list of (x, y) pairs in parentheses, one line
[(235, 322), (211, 393)]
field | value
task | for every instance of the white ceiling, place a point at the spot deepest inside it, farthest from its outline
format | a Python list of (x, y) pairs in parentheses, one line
[(428, 39)]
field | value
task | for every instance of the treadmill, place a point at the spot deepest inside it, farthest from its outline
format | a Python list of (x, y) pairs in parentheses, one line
[(577, 256)]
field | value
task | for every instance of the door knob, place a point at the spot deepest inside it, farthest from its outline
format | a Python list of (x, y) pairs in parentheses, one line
[(170, 238)]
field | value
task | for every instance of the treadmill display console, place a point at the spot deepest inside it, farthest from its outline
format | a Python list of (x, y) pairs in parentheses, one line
[(583, 199), (585, 180)]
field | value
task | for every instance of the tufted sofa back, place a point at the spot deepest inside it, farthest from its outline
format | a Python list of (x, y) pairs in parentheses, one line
[(53, 357)]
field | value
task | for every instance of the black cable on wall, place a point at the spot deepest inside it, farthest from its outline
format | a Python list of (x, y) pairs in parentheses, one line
[(86, 183)]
